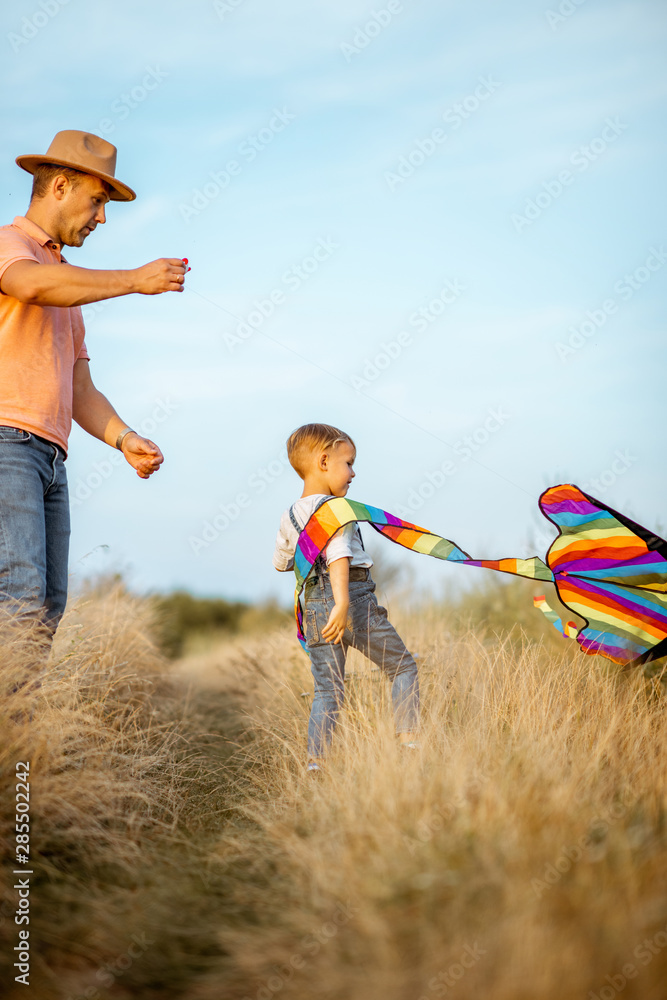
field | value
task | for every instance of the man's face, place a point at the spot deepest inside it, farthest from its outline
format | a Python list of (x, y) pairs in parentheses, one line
[(82, 209)]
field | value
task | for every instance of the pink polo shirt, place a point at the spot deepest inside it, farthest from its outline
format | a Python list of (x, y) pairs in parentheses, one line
[(38, 344)]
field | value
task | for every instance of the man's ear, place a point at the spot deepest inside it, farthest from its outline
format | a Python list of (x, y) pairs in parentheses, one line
[(61, 185)]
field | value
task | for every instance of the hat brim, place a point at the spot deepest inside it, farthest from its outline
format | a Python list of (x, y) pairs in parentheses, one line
[(119, 191)]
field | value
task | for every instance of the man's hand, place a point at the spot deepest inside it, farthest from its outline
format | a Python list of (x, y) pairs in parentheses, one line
[(142, 454), (95, 414), (334, 628), (164, 275)]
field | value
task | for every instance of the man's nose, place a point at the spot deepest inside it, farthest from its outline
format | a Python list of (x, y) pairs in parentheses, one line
[(100, 216)]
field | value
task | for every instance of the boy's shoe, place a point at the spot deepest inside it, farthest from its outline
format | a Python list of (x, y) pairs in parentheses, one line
[(313, 767), (412, 745)]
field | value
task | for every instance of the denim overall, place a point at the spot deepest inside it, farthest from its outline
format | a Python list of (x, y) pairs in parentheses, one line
[(369, 630)]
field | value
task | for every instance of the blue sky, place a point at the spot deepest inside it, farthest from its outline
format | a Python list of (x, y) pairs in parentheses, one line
[(443, 226)]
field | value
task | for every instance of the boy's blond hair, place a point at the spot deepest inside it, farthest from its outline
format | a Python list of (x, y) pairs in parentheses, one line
[(310, 438)]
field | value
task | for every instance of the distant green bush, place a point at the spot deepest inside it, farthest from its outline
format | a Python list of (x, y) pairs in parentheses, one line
[(182, 623), (181, 615), (186, 623)]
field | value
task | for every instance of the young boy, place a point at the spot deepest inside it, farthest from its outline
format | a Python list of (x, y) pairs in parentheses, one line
[(340, 608)]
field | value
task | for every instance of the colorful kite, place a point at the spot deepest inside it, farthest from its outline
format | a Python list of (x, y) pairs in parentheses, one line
[(607, 569)]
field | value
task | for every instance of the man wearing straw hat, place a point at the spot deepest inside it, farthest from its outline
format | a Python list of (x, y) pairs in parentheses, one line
[(44, 365)]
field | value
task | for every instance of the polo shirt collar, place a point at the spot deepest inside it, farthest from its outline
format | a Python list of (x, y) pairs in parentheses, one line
[(34, 231)]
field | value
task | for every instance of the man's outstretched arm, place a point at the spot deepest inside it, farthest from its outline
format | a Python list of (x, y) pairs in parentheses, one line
[(95, 414), (65, 285)]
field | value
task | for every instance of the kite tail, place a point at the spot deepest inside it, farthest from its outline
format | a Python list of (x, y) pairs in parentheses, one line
[(568, 631)]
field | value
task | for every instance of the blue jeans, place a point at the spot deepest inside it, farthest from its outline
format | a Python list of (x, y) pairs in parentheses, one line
[(34, 528), (369, 630)]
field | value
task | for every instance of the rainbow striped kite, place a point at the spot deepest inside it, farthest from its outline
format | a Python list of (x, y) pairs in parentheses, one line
[(605, 567)]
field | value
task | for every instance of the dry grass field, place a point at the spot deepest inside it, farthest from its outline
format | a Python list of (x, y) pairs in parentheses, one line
[(179, 849)]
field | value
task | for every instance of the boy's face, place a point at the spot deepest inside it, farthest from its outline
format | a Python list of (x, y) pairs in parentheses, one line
[(336, 466)]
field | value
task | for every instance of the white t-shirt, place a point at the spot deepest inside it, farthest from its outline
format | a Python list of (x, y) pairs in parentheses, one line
[(346, 543)]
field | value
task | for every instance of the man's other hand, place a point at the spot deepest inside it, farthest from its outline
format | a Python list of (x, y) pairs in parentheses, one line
[(143, 455)]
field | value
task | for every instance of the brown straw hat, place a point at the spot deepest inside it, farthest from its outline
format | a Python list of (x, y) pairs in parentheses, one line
[(86, 152)]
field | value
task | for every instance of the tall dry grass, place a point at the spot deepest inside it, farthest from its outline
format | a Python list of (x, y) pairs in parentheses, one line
[(520, 854)]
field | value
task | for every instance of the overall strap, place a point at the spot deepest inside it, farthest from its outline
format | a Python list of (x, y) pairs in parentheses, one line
[(294, 521)]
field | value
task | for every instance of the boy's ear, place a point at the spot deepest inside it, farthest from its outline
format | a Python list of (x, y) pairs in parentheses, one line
[(323, 461)]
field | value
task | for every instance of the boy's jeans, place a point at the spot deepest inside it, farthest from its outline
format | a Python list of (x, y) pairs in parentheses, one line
[(369, 630), (34, 527)]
